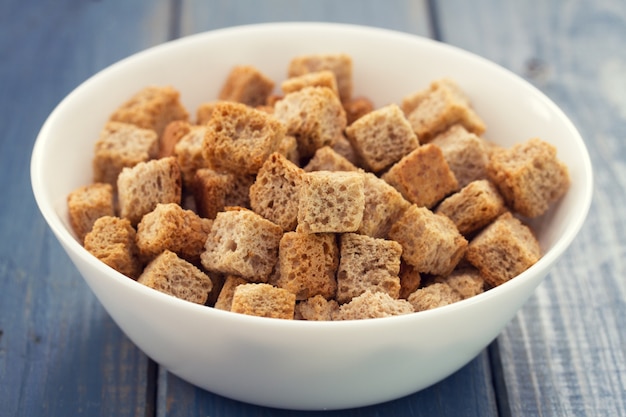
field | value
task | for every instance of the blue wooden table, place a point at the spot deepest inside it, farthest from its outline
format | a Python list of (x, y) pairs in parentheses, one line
[(564, 354)]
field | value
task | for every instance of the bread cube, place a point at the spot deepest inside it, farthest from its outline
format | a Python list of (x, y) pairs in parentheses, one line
[(274, 193), (443, 105), (172, 275), (112, 240), (213, 191), (433, 296), (324, 78), (382, 137), (343, 147), (367, 263), (467, 282), (242, 243), (466, 154), (239, 138), (204, 111), (383, 206), (430, 242), (153, 107), (357, 108), (371, 305), (88, 203), (327, 159), (331, 202), (307, 264), (122, 145), (263, 300), (529, 176), (288, 147), (143, 186), (225, 299), (172, 133), (423, 176), (189, 154), (474, 207), (339, 64), (313, 115), (503, 250), (248, 85), (316, 308), (171, 227), (410, 279)]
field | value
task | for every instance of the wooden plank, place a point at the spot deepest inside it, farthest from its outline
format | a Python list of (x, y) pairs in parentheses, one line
[(404, 15), (469, 391), (564, 353), (60, 354)]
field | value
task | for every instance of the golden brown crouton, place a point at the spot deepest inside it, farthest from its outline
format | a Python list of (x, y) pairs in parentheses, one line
[(172, 275), (112, 240), (152, 107), (529, 176), (248, 85), (88, 203), (503, 250), (430, 242), (367, 263), (423, 176), (263, 300), (122, 145)]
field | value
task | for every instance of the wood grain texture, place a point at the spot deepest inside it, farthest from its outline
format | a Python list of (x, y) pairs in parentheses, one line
[(405, 15), (565, 353), (60, 354), (467, 392)]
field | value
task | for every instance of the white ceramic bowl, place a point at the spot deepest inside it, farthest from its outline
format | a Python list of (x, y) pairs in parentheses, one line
[(294, 364)]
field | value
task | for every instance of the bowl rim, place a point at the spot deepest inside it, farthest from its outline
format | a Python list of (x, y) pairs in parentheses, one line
[(67, 239)]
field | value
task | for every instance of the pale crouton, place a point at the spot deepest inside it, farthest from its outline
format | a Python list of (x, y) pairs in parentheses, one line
[(443, 105), (88, 203), (313, 115), (189, 154), (331, 202), (529, 176), (430, 242), (274, 193), (242, 243), (327, 159), (339, 64), (263, 300), (171, 227), (122, 145), (503, 250), (225, 299), (466, 281), (316, 308), (433, 296), (367, 263), (423, 176), (248, 85), (383, 206), (143, 186), (172, 275), (239, 138), (112, 240), (213, 191), (324, 78), (307, 264), (466, 154), (472, 208), (172, 133), (152, 107), (371, 305), (382, 137)]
